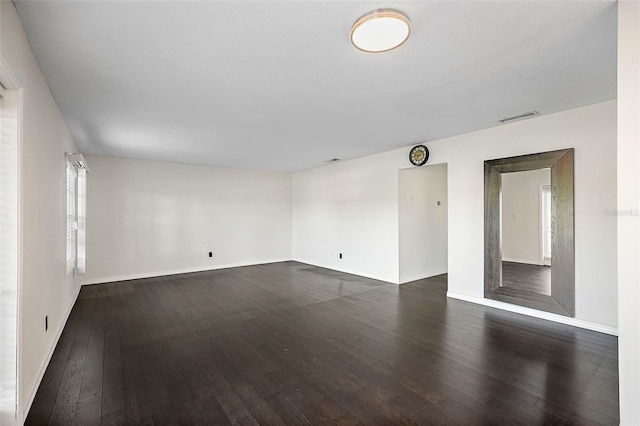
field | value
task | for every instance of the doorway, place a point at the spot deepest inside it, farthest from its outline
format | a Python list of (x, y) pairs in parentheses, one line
[(422, 219)]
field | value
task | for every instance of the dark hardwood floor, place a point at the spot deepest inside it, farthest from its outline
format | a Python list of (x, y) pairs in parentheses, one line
[(288, 343), (527, 285), (522, 276)]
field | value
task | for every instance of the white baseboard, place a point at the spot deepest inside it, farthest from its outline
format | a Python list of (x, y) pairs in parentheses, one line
[(31, 395), (601, 328), (111, 279)]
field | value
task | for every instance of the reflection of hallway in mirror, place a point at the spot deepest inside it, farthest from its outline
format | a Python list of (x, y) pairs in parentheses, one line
[(526, 236), (526, 277)]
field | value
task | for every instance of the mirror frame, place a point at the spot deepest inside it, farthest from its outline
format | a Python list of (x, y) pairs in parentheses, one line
[(562, 298)]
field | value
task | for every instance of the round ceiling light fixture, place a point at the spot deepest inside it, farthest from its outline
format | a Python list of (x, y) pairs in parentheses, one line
[(380, 30)]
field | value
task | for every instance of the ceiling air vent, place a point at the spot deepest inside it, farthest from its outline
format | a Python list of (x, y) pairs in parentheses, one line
[(519, 117)]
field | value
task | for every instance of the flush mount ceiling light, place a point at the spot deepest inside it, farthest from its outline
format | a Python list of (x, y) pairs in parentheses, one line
[(380, 30)]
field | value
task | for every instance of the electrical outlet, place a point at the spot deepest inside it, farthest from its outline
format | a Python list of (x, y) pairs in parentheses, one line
[(210, 254), (46, 322)]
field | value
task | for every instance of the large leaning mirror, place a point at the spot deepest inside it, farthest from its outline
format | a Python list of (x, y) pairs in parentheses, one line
[(529, 231)]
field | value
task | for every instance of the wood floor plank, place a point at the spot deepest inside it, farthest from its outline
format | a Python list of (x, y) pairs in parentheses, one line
[(289, 343), (89, 412)]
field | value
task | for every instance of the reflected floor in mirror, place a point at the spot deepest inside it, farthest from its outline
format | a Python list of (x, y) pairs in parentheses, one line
[(523, 276), (527, 285), (289, 343)]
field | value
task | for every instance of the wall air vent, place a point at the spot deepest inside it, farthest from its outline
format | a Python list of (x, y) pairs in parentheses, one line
[(519, 117), (77, 160)]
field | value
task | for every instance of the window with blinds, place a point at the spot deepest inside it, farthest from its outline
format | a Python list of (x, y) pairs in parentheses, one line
[(72, 219), (81, 209), (8, 253)]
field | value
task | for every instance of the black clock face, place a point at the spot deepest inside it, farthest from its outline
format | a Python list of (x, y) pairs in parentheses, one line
[(419, 155)]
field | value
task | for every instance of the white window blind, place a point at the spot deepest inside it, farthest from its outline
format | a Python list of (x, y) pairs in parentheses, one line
[(81, 217), (8, 253), (72, 222)]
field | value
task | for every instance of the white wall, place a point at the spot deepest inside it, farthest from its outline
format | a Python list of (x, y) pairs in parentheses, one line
[(521, 233), (591, 131), (147, 218), (349, 207), (422, 222), (44, 138), (352, 206), (629, 202)]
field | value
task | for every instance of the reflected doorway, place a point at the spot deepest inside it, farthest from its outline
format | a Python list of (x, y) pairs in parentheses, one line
[(526, 231)]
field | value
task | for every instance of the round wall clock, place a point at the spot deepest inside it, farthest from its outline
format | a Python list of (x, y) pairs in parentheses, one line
[(419, 155)]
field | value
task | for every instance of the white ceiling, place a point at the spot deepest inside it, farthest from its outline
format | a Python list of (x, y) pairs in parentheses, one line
[(278, 86)]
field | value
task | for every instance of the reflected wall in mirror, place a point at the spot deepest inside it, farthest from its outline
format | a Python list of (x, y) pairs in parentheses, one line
[(529, 231)]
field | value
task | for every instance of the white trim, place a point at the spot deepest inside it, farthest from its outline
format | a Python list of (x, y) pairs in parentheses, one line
[(601, 328), (43, 367), (102, 280)]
